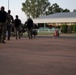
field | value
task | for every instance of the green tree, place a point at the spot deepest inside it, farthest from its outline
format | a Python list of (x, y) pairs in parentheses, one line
[(64, 28), (66, 10), (74, 28), (54, 8), (74, 10), (35, 8)]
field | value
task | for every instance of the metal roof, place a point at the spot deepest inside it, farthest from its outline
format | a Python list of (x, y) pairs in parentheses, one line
[(65, 17), (61, 15)]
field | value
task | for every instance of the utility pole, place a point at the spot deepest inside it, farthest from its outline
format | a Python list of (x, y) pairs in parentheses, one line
[(8, 4)]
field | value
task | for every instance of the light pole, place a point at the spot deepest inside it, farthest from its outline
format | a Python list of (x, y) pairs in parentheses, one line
[(8, 4)]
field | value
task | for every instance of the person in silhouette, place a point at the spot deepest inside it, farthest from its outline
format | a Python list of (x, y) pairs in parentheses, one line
[(9, 24), (3, 25), (29, 27), (17, 26)]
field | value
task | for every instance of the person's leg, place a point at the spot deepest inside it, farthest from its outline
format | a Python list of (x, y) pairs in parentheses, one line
[(0, 32), (9, 32), (34, 36), (31, 33), (28, 31), (16, 32), (19, 32), (3, 33)]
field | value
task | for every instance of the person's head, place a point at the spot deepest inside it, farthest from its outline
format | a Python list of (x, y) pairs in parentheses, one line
[(2, 8), (17, 16), (29, 18), (9, 11)]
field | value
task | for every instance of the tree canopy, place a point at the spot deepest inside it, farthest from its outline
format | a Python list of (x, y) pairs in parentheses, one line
[(74, 10), (55, 8), (35, 8)]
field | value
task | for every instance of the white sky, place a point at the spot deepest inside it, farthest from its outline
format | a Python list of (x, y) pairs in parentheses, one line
[(16, 5)]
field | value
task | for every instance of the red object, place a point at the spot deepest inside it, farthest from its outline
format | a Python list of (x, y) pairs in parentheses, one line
[(56, 33)]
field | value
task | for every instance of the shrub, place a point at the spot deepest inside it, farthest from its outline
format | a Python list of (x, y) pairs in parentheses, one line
[(74, 28), (64, 28)]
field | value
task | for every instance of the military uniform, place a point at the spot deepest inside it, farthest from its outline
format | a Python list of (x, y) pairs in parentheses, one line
[(29, 27), (17, 27), (9, 24), (3, 19)]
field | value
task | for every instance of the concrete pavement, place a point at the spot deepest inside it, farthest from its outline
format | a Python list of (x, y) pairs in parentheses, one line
[(39, 56)]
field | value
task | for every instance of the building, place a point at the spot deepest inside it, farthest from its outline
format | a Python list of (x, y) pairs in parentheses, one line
[(68, 18)]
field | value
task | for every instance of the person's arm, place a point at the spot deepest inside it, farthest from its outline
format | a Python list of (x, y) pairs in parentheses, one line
[(12, 19)]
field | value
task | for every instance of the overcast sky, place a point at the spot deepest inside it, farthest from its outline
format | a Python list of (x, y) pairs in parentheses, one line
[(16, 5)]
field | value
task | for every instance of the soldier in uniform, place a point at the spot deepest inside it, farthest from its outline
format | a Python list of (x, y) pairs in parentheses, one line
[(29, 27), (3, 20), (17, 26), (9, 24)]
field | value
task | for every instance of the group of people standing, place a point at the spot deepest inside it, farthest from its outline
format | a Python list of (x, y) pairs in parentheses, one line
[(7, 22)]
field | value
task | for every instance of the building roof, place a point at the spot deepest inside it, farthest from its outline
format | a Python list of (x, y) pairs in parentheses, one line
[(57, 17)]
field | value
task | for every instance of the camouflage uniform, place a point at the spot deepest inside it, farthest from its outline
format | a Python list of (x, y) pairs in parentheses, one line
[(29, 27), (3, 19), (2, 32), (9, 24)]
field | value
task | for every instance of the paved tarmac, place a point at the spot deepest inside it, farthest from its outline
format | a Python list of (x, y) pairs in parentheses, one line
[(39, 56)]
